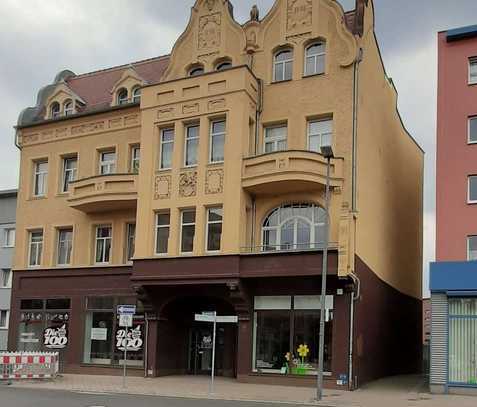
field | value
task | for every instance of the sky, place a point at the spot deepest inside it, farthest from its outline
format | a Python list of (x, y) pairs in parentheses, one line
[(39, 38)]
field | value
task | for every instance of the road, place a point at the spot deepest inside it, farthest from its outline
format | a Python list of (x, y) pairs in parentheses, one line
[(16, 397)]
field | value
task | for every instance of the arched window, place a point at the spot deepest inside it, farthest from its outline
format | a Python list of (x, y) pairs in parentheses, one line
[(55, 110), (68, 108), (294, 227), (222, 66), (136, 95), (122, 97), (196, 70), (315, 55), (283, 65)]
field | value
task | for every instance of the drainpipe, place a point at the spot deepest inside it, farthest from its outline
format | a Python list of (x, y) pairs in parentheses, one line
[(146, 350), (258, 114), (254, 218), (354, 297), (359, 58)]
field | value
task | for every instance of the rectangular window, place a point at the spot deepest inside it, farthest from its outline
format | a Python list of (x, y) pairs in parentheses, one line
[(41, 178), (472, 136), (65, 246), (107, 162), (187, 230), (472, 70), (36, 248), (471, 247), (319, 134), (6, 278), (163, 226), (214, 229), (167, 148), (275, 139), (103, 244), (135, 159), (70, 168), (3, 319), (472, 189), (191, 145), (9, 238), (217, 141), (130, 240)]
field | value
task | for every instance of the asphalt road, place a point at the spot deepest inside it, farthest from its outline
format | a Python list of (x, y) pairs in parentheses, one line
[(16, 397)]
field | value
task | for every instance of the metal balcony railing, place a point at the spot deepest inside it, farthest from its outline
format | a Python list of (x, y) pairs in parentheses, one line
[(287, 247)]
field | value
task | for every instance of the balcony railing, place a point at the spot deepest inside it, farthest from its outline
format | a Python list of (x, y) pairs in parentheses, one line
[(287, 247)]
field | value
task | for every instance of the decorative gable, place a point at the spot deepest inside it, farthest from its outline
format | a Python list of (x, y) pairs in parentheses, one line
[(62, 95), (129, 81)]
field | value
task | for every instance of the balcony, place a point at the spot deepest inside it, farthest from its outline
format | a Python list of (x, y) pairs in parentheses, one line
[(104, 193), (289, 171)]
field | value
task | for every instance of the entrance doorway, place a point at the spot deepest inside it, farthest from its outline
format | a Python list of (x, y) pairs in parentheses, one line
[(200, 350)]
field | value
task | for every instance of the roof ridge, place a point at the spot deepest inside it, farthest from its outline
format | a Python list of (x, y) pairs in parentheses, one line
[(143, 61)]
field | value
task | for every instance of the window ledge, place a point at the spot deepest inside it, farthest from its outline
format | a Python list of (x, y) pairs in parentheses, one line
[(37, 198), (284, 81), (163, 170), (314, 75)]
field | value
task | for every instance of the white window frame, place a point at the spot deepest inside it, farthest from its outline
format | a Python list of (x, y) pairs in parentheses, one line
[(55, 114), (40, 175), (135, 158), (187, 224), (215, 135), (122, 100), (9, 281), (213, 222), (6, 234), (322, 136), (104, 239), (162, 143), (315, 59), (275, 140), (66, 171), (471, 118), (283, 63), (68, 108), (187, 139), (168, 226), (128, 241), (468, 247), (110, 165), (58, 245), (472, 63), (136, 95), (7, 318), (38, 244), (469, 201)]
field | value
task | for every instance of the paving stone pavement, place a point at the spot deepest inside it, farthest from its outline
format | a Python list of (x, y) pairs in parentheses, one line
[(401, 391)]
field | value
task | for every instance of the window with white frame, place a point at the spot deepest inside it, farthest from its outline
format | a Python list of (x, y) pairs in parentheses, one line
[(319, 134), (68, 108), (136, 95), (41, 178), (36, 248), (103, 244), (55, 110), (107, 162), (122, 97), (294, 227), (65, 246), (70, 168), (6, 278), (167, 148), (472, 131), (472, 189), (4, 319), (130, 241), (472, 70), (191, 145), (315, 55), (187, 230), (283, 65), (275, 138), (135, 159), (217, 141), (163, 225), (471, 247), (214, 229), (9, 237)]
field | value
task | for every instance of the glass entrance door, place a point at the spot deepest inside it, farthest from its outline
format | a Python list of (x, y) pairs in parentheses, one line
[(200, 350)]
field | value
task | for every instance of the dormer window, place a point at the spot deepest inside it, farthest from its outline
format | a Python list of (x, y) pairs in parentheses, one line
[(223, 66), (283, 65), (55, 110), (68, 108), (136, 95), (122, 97), (196, 71)]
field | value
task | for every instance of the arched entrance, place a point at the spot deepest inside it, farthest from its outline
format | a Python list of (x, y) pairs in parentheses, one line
[(184, 346)]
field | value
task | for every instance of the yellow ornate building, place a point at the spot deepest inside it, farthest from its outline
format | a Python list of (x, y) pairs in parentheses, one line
[(194, 182)]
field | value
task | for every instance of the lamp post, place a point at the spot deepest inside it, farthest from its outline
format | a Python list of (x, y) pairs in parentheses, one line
[(327, 152)]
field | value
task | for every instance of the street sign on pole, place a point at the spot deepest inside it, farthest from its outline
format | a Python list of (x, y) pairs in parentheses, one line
[(125, 313), (212, 317)]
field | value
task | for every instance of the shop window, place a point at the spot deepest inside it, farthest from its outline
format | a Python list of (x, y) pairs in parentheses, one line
[(282, 324), (214, 229), (163, 220), (167, 147), (217, 141), (275, 138), (187, 230)]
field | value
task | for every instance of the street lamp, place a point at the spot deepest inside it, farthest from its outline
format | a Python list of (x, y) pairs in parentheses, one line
[(327, 152)]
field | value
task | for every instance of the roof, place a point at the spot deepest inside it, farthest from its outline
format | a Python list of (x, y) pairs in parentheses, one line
[(461, 33)]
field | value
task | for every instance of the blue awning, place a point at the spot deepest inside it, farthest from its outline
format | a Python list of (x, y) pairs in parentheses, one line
[(453, 276)]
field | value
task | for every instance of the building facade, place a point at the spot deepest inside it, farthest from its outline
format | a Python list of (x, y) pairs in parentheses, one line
[(194, 182), (8, 205), (453, 287)]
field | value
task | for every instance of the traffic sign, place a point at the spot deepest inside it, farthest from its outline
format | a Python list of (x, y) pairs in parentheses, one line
[(126, 309), (125, 320)]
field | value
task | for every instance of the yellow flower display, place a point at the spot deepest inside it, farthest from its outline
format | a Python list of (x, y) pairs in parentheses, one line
[(303, 350)]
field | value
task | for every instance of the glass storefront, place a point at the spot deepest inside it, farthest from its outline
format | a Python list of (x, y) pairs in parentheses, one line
[(104, 339), (284, 323)]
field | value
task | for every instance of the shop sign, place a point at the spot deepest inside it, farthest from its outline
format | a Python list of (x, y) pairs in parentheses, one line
[(99, 334), (30, 316), (134, 339), (55, 337), (58, 317)]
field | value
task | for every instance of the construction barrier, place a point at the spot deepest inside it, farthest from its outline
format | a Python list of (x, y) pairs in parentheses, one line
[(28, 365)]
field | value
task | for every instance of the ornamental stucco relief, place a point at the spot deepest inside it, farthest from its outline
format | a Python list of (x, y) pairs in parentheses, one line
[(188, 184), (299, 14), (209, 31), (162, 187), (214, 183)]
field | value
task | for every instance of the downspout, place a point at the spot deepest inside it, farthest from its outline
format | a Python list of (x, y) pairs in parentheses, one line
[(146, 350), (258, 115)]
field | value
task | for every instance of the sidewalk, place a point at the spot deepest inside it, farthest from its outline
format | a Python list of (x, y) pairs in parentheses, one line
[(403, 391)]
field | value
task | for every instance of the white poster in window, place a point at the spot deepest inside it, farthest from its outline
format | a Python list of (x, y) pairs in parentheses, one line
[(134, 339), (56, 337), (99, 334)]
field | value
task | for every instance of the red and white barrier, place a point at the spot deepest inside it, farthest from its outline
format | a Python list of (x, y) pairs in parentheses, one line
[(28, 365)]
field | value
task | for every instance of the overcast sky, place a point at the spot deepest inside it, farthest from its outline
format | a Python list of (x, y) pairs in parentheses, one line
[(39, 38)]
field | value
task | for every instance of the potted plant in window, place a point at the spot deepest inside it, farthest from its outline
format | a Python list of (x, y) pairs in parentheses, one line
[(301, 367)]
